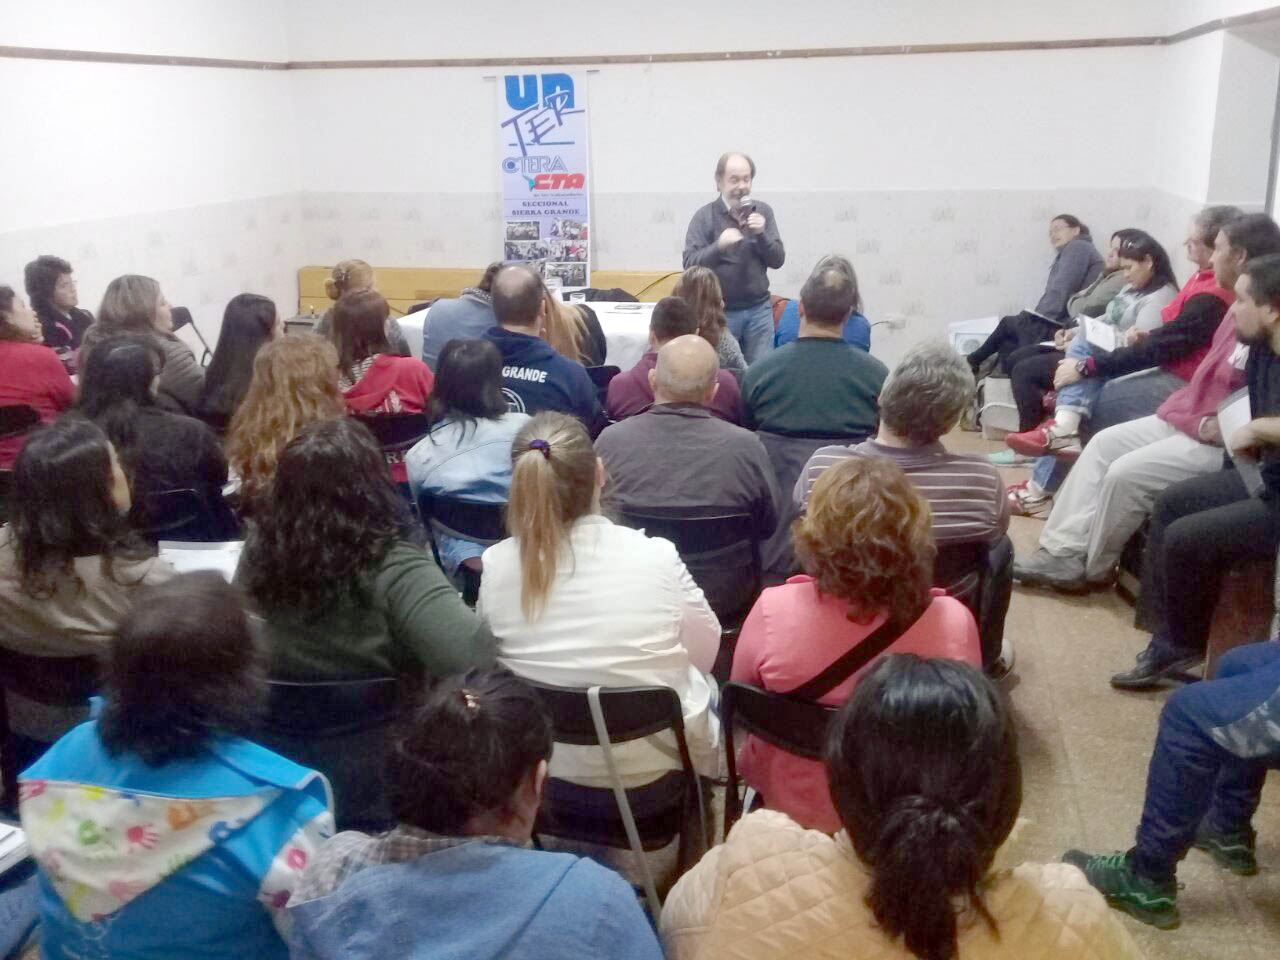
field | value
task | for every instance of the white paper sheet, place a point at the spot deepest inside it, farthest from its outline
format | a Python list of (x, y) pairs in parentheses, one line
[(1101, 335), (1233, 413), (187, 557)]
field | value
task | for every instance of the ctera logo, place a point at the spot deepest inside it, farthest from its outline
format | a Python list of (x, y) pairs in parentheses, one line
[(557, 181)]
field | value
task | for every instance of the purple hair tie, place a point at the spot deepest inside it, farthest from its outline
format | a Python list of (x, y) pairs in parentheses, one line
[(542, 446)]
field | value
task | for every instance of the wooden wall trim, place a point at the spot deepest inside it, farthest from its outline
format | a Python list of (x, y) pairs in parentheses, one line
[(883, 50)]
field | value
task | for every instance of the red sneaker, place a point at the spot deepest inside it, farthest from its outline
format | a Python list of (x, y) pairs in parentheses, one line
[(1043, 441)]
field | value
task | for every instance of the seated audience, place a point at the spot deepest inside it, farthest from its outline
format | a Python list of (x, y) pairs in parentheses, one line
[(867, 551), (134, 304), (1111, 488), (857, 329), (921, 402), (700, 288), (535, 377), (1133, 314), (467, 778), (924, 773), (375, 381), (465, 317), (158, 830), (332, 566), (352, 276), (574, 331), (295, 383), (817, 385), (249, 322), (52, 291), (1204, 783), (467, 454), (30, 373), (1203, 526), (160, 451), (576, 600), (630, 392), (677, 455), (1076, 264)]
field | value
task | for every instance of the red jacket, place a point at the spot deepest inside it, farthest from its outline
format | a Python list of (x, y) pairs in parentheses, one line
[(392, 385), (1220, 372), (31, 374), (1201, 282)]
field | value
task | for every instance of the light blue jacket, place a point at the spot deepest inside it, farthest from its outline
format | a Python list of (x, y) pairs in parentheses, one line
[(471, 462), (857, 329), (196, 858)]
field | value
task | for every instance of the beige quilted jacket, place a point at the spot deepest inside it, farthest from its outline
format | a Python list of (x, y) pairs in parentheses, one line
[(774, 890)]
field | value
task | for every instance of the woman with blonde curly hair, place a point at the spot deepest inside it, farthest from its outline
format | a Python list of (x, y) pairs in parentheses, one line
[(352, 276), (295, 382), (701, 288), (866, 546)]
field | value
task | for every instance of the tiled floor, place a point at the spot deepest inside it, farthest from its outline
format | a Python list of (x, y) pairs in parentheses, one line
[(1085, 749)]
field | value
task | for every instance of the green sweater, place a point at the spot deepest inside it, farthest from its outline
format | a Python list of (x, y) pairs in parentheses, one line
[(417, 623), (814, 386)]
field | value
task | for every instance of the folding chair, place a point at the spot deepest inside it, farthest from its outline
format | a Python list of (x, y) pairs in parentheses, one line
[(796, 726), (482, 523), (600, 716), (185, 514), (339, 727), (396, 434), (53, 681), (720, 548)]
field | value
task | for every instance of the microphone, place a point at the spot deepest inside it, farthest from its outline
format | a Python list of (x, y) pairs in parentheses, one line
[(746, 207)]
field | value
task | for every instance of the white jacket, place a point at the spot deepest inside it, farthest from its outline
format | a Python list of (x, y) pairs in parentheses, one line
[(623, 611), (775, 891)]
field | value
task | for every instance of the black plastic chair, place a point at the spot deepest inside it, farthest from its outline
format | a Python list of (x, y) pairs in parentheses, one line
[(720, 548), (18, 418), (483, 523), (396, 433), (341, 728), (796, 726), (600, 716), (185, 515), (53, 681)]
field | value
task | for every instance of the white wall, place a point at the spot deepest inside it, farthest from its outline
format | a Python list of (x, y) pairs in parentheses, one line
[(1242, 124)]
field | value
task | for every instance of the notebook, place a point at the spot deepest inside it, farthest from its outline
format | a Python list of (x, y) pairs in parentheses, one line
[(13, 846)]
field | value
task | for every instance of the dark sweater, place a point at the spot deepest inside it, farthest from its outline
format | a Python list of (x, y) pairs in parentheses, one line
[(536, 378), (742, 268), (814, 387), (63, 331), (1191, 330)]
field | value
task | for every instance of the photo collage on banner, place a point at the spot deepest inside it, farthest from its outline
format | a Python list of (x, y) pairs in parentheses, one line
[(545, 194)]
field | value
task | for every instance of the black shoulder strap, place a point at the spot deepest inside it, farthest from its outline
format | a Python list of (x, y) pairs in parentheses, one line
[(853, 660)]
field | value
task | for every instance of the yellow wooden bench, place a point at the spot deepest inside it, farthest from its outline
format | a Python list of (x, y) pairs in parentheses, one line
[(405, 286)]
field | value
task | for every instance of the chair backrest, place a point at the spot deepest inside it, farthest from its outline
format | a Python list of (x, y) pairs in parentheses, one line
[(718, 545), (18, 418), (396, 433), (330, 708), (55, 681), (796, 726), (630, 713), (465, 519), (185, 514), (600, 376), (956, 560)]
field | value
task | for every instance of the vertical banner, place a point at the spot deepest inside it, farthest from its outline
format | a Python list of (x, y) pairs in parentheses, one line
[(545, 194)]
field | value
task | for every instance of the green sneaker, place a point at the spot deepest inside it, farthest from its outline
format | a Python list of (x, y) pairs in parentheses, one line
[(1152, 901), (1231, 850)]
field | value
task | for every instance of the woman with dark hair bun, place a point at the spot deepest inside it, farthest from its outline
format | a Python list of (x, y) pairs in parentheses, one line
[(923, 765), (333, 564), (159, 831), (160, 451), (467, 775), (467, 454), (55, 300), (249, 322)]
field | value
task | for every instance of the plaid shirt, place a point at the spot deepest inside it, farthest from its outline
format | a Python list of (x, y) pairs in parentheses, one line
[(352, 851)]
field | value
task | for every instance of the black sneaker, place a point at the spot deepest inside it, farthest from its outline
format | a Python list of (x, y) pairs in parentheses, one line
[(1231, 850), (1154, 902), (1154, 666)]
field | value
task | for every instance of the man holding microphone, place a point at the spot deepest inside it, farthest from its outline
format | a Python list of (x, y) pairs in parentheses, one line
[(737, 237)]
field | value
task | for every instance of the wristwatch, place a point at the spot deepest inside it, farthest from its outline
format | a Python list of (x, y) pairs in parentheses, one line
[(1082, 367)]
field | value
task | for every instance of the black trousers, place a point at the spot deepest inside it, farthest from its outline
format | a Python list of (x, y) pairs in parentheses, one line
[(1031, 374), (1011, 333), (1200, 528)]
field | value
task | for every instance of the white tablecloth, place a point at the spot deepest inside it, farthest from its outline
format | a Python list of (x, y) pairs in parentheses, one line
[(625, 325)]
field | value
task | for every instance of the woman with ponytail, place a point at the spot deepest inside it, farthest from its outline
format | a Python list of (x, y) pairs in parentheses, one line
[(456, 877), (923, 765), (575, 600)]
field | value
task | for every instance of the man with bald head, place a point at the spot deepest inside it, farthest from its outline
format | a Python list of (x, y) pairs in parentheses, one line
[(677, 455), (737, 237), (534, 376)]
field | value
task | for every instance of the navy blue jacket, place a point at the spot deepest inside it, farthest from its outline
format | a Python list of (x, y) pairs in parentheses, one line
[(536, 378)]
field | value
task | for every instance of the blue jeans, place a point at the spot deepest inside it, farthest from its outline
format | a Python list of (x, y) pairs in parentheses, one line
[(19, 911), (1214, 744), (753, 328), (1119, 401)]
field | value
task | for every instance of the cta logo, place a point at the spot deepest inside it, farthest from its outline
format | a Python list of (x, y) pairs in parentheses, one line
[(558, 181)]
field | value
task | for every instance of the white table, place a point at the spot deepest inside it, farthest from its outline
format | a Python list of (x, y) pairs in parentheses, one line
[(625, 325)]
